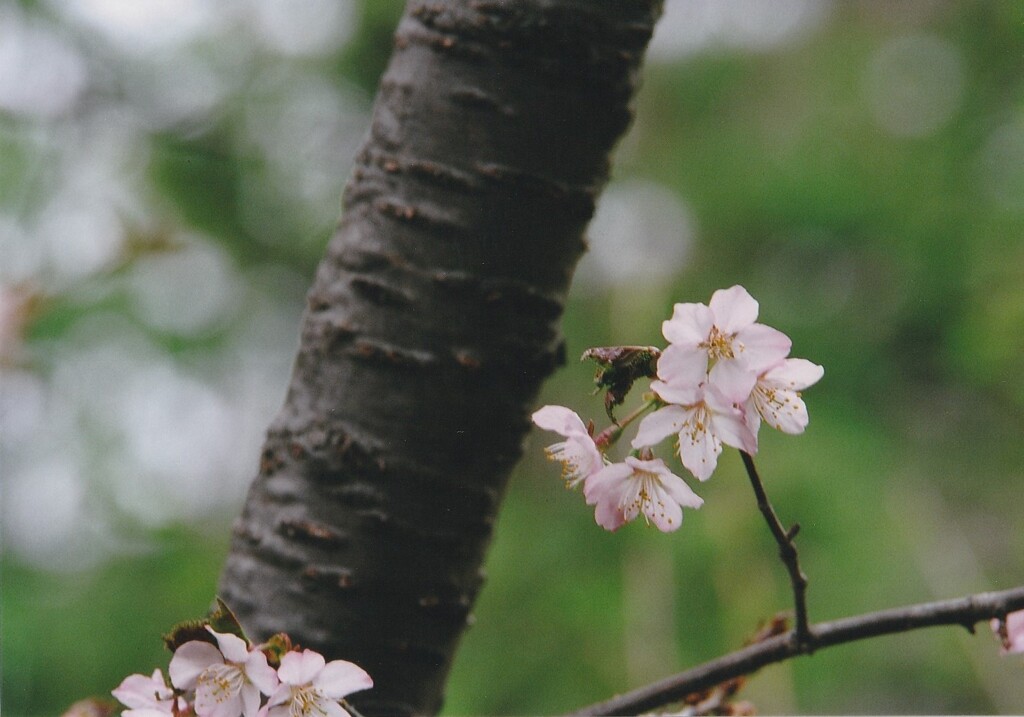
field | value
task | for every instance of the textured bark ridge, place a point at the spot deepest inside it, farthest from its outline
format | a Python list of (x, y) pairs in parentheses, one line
[(431, 324)]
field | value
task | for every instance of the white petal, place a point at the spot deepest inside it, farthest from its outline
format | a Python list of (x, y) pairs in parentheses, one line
[(690, 324), (260, 673), (332, 709), (298, 668), (751, 414), (1015, 631), (190, 660), (653, 465), (733, 308), (206, 705), (733, 379), (631, 497), (761, 347), (281, 695), (140, 691), (781, 409), (250, 700), (559, 419), (682, 364), (795, 374), (698, 446), (660, 425), (231, 646), (680, 492), (579, 458), (662, 510), (729, 423), (606, 481), (339, 678), (679, 394), (608, 515)]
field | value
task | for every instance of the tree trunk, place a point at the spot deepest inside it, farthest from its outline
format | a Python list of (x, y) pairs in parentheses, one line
[(430, 326)]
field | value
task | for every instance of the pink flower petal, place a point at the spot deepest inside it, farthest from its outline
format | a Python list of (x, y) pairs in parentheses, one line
[(665, 513), (751, 414), (1015, 631), (679, 491), (690, 324), (699, 448), (606, 481), (781, 409), (231, 646), (733, 309), (733, 379), (685, 365), (333, 709), (216, 705), (728, 422), (281, 695), (250, 700), (340, 678), (298, 668), (630, 499), (260, 673), (559, 419), (660, 425), (795, 374), (190, 660), (579, 457), (140, 691), (608, 515), (677, 393), (760, 347)]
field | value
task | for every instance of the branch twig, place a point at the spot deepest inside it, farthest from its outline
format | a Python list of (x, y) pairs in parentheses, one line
[(964, 611), (787, 551)]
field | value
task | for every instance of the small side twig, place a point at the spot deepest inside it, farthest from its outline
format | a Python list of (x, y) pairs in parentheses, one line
[(964, 611), (802, 633)]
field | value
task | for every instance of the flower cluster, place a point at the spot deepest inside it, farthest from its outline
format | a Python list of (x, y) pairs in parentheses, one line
[(721, 376), (229, 677)]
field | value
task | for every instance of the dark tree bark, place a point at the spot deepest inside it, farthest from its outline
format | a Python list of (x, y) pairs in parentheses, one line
[(430, 326)]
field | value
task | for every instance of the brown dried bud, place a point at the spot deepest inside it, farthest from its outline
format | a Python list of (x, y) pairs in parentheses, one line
[(618, 367)]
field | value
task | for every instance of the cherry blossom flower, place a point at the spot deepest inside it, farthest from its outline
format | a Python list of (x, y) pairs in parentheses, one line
[(622, 491), (704, 419), (715, 342), (1014, 641), (147, 696), (578, 453), (776, 396), (228, 681), (312, 687)]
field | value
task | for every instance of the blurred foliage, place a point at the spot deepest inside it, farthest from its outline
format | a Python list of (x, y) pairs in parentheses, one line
[(891, 253)]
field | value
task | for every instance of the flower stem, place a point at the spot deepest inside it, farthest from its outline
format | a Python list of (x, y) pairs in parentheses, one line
[(802, 634), (352, 710), (611, 434)]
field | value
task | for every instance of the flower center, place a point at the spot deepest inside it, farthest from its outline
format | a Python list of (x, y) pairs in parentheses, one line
[(222, 682), (645, 498), (575, 461), (306, 702), (719, 345)]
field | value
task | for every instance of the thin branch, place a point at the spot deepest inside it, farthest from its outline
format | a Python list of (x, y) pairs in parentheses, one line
[(787, 551), (964, 611)]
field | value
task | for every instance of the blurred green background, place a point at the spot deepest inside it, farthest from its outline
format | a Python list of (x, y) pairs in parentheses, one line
[(170, 172)]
